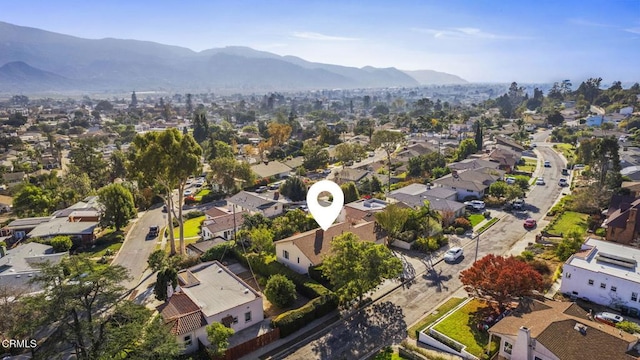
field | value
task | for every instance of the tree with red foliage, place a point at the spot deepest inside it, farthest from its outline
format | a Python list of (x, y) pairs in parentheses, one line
[(501, 279)]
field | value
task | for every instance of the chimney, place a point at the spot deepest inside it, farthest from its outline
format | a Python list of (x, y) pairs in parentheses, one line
[(522, 349), (319, 233), (633, 213)]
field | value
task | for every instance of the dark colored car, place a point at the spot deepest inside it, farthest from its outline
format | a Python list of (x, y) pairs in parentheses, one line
[(153, 231), (565, 172)]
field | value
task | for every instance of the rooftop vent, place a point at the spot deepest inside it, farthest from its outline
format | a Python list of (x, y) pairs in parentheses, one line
[(616, 260), (580, 328)]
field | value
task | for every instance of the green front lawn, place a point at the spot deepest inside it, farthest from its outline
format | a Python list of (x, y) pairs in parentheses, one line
[(570, 220), (462, 326), (433, 316), (202, 193), (191, 228), (476, 219), (568, 150), (529, 165)]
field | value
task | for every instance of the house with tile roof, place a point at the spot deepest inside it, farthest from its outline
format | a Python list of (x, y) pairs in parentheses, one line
[(222, 226), (207, 293), (508, 142), (271, 169), (623, 219), (539, 330), (470, 183), (472, 163), (606, 273), (441, 199), (301, 251), (506, 158)]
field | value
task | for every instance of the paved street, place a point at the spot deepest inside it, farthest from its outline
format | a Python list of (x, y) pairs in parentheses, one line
[(386, 323)]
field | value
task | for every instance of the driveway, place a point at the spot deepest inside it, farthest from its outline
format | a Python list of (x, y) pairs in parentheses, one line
[(387, 323)]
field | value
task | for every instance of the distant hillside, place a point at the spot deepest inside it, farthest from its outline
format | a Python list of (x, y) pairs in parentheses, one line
[(20, 76), (432, 77), (36, 59)]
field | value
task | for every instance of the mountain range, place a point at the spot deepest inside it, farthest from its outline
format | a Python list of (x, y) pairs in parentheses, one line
[(33, 60)]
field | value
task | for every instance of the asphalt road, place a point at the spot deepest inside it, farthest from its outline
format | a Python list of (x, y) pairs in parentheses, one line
[(386, 323), (137, 247)]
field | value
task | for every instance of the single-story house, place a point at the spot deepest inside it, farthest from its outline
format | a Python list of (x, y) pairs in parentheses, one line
[(509, 142), (222, 226), (301, 251), (506, 158), (470, 183), (207, 293), (16, 265), (349, 175), (80, 231), (271, 169), (472, 163), (539, 330), (252, 203), (201, 247), (360, 210), (20, 227), (632, 172), (13, 179)]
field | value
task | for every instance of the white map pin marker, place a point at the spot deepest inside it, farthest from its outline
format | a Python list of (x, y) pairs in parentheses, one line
[(325, 215)]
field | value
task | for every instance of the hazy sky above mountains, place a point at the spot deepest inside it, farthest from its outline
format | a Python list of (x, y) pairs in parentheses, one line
[(492, 41)]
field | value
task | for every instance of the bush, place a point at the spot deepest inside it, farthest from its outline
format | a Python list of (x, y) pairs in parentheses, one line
[(212, 196), (628, 326), (280, 291), (217, 252), (193, 214), (462, 223), (487, 215), (527, 255), (601, 232), (61, 243), (540, 266), (494, 202), (190, 200), (292, 320), (460, 231), (426, 245)]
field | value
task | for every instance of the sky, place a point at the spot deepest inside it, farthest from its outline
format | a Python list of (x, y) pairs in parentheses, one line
[(479, 40)]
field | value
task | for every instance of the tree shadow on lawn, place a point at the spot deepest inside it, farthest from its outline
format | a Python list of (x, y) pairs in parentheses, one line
[(435, 278), (379, 325), (481, 320)]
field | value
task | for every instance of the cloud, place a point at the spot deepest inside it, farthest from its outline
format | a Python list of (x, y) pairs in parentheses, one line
[(322, 37), (635, 30), (583, 22), (465, 33)]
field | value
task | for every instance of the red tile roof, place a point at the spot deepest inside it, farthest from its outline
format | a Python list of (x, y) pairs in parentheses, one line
[(182, 314)]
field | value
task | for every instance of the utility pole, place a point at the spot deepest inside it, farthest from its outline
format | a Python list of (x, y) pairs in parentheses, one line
[(477, 245)]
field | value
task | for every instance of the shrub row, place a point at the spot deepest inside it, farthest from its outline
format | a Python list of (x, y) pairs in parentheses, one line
[(292, 320)]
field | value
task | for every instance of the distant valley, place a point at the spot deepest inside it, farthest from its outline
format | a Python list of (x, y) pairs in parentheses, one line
[(34, 60)]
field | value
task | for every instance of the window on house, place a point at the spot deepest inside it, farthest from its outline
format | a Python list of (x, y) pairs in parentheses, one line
[(285, 254), (298, 260), (508, 348), (187, 340), (235, 319), (590, 282), (634, 296), (614, 289), (603, 285), (536, 358), (247, 316), (567, 275)]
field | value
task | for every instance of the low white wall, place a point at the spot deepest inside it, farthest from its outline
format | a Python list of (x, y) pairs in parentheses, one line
[(401, 244)]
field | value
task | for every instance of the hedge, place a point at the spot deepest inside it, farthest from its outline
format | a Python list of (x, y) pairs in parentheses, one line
[(217, 252), (292, 320)]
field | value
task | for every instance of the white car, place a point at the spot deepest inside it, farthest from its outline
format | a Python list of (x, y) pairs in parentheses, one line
[(510, 180), (540, 181), (547, 163), (453, 254), (475, 204), (563, 182), (188, 192)]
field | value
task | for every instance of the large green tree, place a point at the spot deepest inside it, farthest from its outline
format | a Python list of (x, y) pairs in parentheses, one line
[(31, 200), (294, 188), (166, 160), (393, 219), (87, 158), (315, 157), (228, 173), (280, 291), (350, 192), (347, 152), (355, 267), (118, 204), (388, 141), (84, 301)]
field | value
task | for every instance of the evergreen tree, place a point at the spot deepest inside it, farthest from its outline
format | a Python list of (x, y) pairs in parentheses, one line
[(294, 188), (200, 127), (479, 135)]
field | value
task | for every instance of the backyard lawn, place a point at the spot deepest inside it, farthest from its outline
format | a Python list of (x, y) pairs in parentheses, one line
[(462, 327), (570, 220), (435, 315), (191, 228)]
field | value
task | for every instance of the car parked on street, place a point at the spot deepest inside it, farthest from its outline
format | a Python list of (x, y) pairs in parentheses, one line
[(262, 189), (475, 205), (540, 181), (453, 254), (565, 172), (530, 223), (608, 318), (518, 204), (547, 163), (563, 182), (153, 232), (188, 192)]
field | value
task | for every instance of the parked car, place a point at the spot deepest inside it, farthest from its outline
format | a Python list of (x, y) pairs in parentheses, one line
[(565, 172), (474, 204), (530, 223), (453, 254), (563, 182), (547, 163), (261, 189), (153, 231), (188, 192), (518, 204), (540, 181), (274, 186), (608, 318), (510, 180)]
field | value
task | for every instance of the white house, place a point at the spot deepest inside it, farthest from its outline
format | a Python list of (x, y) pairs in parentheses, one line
[(208, 293), (606, 273), (253, 203), (301, 251), (555, 330), (222, 226)]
